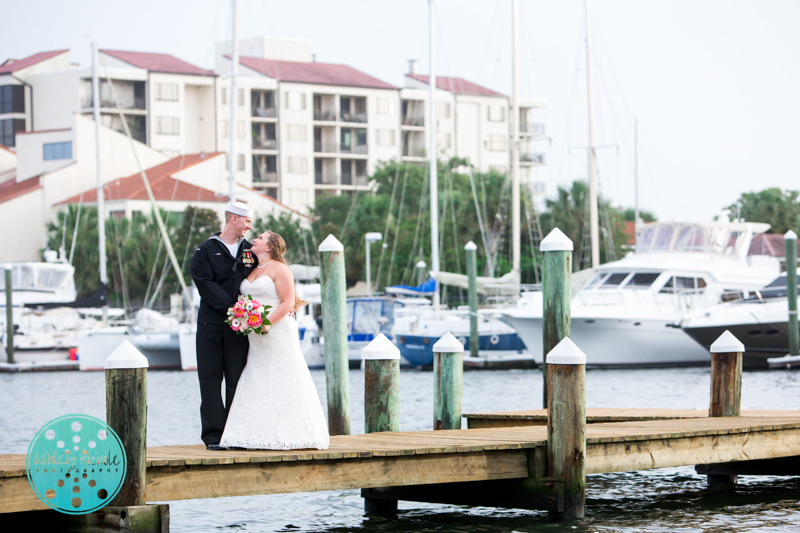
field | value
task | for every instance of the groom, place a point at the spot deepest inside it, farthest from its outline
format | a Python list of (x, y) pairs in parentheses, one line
[(218, 268)]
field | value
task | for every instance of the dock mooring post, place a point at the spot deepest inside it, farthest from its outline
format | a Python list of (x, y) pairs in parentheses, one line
[(566, 426), (448, 376), (126, 414), (790, 243), (9, 315), (472, 291), (381, 400), (726, 389), (557, 293), (334, 329)]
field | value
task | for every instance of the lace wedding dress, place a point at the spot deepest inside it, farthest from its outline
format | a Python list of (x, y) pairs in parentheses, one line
[(276, 406)]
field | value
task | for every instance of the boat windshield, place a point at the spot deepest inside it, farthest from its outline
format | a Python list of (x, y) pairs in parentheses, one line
[(683, 285), (679, 237), (34, 278), (774, 289), (642, 280)]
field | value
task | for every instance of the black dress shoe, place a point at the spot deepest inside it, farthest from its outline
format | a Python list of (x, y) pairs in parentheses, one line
[(215, 447)]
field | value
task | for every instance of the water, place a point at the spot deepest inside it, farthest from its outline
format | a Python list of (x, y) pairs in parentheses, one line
[(665, 500)]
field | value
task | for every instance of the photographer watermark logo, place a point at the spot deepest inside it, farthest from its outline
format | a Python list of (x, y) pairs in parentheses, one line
[(76, 464)]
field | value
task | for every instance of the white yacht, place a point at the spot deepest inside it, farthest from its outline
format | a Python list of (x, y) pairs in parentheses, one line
[(759, 320), (628, 315)]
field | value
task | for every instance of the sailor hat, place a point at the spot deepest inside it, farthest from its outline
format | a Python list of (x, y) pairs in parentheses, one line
[(239, 208)]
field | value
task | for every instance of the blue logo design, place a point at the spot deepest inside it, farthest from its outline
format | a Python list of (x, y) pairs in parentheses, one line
[(76, 464)]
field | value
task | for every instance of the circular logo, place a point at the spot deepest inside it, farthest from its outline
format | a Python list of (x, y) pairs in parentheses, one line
[(76, 464)]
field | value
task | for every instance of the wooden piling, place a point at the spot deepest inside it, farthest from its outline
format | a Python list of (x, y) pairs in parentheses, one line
[(381, 386), (9, 316), (126, 414), (790, 243), (381, 401), (334, 328), (726, 389), (448, 373), (566, 426), (557, 293), (472, 291)]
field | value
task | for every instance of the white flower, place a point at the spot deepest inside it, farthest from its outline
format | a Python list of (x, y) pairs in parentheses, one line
[(235, 322), (249, 306)]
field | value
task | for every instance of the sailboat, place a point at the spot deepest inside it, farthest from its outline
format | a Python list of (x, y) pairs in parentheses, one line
[(416, 332)]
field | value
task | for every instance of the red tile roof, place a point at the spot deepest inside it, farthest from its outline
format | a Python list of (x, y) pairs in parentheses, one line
[(630, 232), (158, 62), (165, 188), (318, 73), (769, 244), (18, 189), (13, 65), (456, 85)]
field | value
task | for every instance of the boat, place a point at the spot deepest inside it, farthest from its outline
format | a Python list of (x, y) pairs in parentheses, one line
[(629, 313), (759, 319)]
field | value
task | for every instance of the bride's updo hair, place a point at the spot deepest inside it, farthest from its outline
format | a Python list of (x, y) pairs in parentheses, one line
[(278, 249)]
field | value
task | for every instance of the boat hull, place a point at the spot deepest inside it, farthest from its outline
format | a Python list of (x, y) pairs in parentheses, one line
[(761, 341), (162, 349), (418, 349), (620, 343)]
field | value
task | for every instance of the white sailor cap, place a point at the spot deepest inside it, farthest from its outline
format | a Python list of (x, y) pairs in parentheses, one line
[(239, 208)]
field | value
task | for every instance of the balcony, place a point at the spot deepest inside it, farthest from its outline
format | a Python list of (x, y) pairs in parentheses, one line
[(265, 144), (325, 147), (414, 121), (350, 179), (266, 177), (263, 104), (354, 117), (131, 95), (357, 149), (323, 178), (534, 128), (536, 159), (353, 109), (343, 180), (265, 112), (325, 116)]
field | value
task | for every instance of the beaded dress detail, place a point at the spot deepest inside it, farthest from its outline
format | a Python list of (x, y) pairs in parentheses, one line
[(276, 406)]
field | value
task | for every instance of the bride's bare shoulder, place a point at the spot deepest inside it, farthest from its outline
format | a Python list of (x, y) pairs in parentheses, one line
[(282, 271)]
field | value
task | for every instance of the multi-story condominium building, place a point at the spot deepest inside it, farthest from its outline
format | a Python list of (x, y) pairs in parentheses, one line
[(303, 128)]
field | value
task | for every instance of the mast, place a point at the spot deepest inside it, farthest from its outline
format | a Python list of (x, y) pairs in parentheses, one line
[(594, 227), (515, 126), (433, 174), (233, 101), (635, 174), (101, 223)]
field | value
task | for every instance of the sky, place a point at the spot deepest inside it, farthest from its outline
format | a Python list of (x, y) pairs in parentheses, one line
[(713, 84)]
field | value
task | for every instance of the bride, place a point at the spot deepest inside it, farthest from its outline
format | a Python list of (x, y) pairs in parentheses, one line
[(276, 406)]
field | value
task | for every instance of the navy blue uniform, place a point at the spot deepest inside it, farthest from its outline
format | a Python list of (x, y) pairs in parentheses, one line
[(220, 352)]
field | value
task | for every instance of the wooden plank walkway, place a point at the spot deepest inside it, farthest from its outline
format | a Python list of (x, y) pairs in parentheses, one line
[(433, 457), (538, 417)]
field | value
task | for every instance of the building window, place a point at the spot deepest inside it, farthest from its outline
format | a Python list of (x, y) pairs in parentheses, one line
[(224, 95), (8, 130), (167, 92), (240, 162), (226, 129), (496, 143), (385, 138), (294, 100), (496, 113), (442, 110), (167, 125), (240, 129), (297, 165), (296, 132), (241, 96), (57, 151), (12, 99), (385, 106), (265, 169)]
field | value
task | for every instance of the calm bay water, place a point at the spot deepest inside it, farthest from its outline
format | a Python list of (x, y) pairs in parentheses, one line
[(673, 499)]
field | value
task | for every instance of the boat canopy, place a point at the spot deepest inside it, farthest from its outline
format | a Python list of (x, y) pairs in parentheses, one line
[(424, 289), (718, 238), (40, 277), (506, 284)]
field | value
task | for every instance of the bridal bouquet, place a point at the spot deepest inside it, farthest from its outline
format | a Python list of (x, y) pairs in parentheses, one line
[(248, 316)]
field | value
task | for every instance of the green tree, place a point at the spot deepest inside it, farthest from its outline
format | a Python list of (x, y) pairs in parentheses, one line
[(300, 247), (85, 255), (780, 209), (628, 215)]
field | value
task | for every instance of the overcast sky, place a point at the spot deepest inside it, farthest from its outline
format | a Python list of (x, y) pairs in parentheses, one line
[(715, 84)]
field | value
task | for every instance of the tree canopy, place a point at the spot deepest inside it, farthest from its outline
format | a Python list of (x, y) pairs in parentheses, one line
[(780, 209)]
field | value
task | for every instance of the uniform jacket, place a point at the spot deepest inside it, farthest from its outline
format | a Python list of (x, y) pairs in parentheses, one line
[(217, 276)]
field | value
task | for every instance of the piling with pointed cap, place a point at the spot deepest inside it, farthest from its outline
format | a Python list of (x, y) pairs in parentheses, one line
[(556, 294), (472, 291), (126, 414), (566, 425), (726, 376), (334, 328), (790, 242), (448, 374)]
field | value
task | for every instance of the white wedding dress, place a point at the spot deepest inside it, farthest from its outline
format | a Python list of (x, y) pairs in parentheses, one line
[(276, 406)]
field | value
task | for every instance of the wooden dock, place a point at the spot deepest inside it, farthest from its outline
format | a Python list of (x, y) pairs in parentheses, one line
[(403, 460)]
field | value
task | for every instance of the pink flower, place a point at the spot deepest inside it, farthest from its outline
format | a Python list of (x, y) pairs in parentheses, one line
[(256, 305), (239, 313), (235, 325), (254, 321)]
